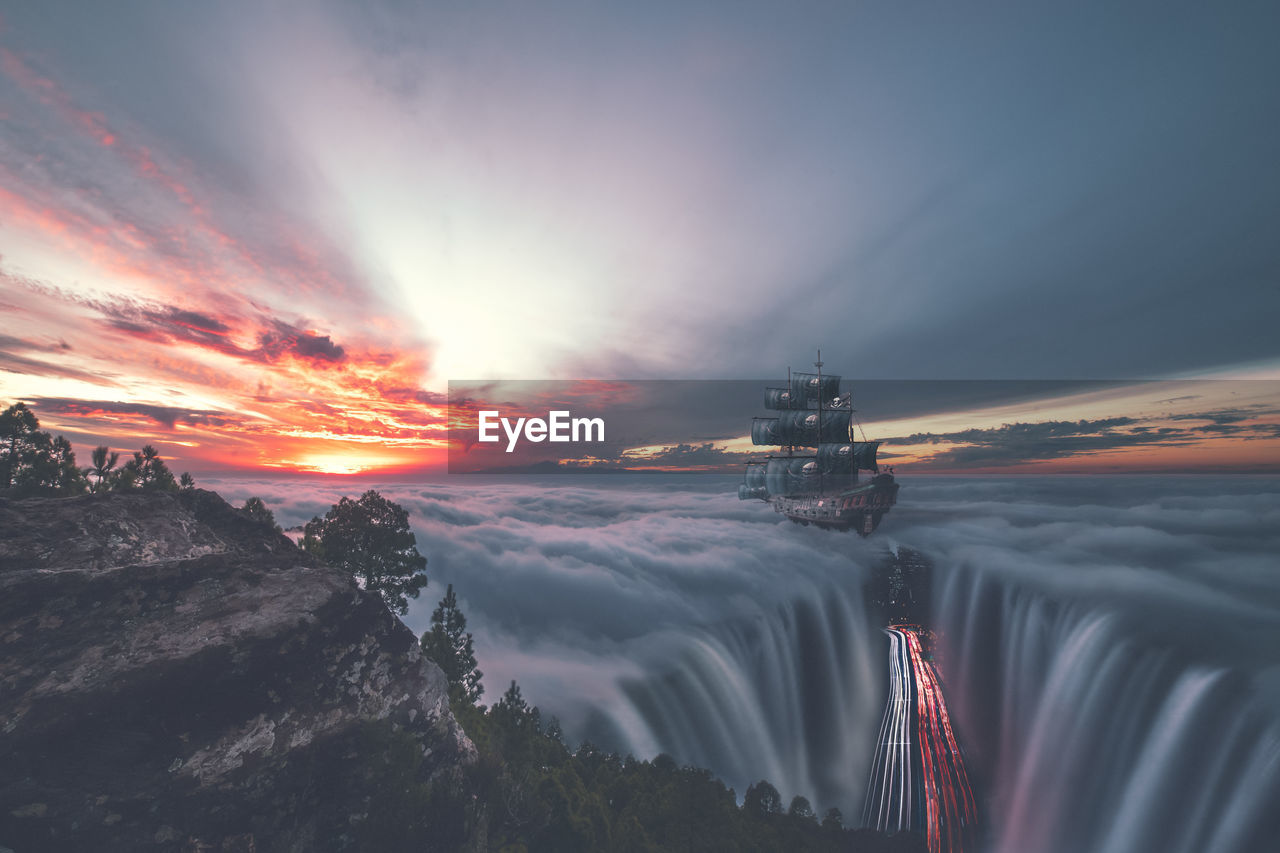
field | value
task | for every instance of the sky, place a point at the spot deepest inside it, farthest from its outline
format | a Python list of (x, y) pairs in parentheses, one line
[(267, 236)]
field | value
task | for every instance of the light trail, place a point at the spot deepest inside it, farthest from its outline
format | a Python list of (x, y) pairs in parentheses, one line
[(916, 704), (949, 805), (890, 795)]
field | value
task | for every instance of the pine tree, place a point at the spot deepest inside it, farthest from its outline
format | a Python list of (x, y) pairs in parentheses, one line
[(762, 799), (32, 461), (19, 437), (801, 808), (513, 714), (259, 511), (370, 538), (148, 471), (63, 473), (104, 461), (449, 644)]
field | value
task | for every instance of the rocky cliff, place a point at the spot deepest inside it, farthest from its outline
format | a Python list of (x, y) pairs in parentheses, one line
[(175, 676)]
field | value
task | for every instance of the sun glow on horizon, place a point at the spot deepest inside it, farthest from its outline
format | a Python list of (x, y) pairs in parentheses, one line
[(334, 464)]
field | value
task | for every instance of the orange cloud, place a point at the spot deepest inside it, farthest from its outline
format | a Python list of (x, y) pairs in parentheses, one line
[(185, 332)]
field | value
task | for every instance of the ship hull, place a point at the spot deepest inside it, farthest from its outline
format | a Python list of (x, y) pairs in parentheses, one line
[(860, 508)]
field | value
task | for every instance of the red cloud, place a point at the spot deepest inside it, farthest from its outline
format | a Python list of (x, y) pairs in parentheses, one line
[(197, 278)]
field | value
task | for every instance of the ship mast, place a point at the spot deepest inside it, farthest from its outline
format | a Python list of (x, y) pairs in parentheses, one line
[(816, 458), (791, 448)]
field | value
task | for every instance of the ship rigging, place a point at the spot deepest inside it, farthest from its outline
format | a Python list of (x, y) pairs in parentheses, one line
[(821, 487)]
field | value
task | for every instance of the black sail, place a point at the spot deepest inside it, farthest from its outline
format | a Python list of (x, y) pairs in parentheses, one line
[(841, 458), (833, 466), (835, 458), (782, 398), (753, 483), (764, 432), (800, 428), (865, 454), (791, 475), (808, 386)]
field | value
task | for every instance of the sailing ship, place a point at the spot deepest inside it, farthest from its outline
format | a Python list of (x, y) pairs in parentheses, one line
[(820, 483)]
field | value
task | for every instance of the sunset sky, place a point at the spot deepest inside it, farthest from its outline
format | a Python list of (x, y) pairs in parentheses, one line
[(265, 237)]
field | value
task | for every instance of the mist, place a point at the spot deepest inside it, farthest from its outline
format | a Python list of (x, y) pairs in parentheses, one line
[(654, 614)]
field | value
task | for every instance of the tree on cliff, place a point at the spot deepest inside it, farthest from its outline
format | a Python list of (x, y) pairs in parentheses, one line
[(18, 427), (449, 644), (801, 808), (55, 468), (103, 468), (147, 470), (762, 799), (370, 538), (32, 461), (258, 511)]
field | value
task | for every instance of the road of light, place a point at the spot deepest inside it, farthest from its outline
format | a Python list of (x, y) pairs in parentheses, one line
[(949, 804), (890, 796), (916, 704)]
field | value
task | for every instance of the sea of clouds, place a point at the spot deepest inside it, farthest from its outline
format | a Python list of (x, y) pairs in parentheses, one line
[(632, 607)]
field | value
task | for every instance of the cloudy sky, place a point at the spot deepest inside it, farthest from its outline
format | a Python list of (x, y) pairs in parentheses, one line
[(268, 235)]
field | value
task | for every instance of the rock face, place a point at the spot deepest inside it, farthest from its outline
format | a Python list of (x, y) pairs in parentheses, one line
[(175, 676)]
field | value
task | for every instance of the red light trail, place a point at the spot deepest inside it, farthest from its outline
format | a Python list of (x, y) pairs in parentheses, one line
[(934, 771), (949, 804)]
